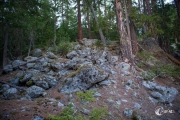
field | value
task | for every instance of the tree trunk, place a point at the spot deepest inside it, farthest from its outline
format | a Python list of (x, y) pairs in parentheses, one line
[(89, 25), (79, 21), (125, 43), (177, 2), (100, 30), (5, 45), (54, 41), (148, 7)]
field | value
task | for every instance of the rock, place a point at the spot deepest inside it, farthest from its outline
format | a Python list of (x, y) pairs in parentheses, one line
[(10, 93), (86, 111), (118, 102), (35, 91), (110, 100), (20, 74), (38, 118), (17, 63), (128, 113), (97, 94), (77, 47), (30, 58), (113, 72), (26, 78), (37, 53), (137, 106), (84, 78), (88, 42), (15, 81), (4, 87), (161, 93), (8, 68), (72, 54), (42, 84), (72, 64), (179, 111), (114, 59), (30, 65), (33, 72), (50, 80), (29, 83), (105, 83), (57, 66), (124, 67), (60, 104), (51, 55)]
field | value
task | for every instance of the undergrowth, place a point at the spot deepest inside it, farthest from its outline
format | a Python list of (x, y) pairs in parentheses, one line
[(87, 96)]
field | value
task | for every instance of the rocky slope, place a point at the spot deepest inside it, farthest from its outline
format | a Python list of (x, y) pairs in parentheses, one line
[(45, 83)]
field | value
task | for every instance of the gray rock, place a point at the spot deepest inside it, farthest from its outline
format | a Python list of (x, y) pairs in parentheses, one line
[(84, 78), (20, 74), (15, 81), (38, 118), (105, 83), (30, 58), (8, 68), (72, 54), (77, 47), (124, 67), (114, 59), (37, 53), (17, 63), (4, 87), (60, 104), (110, 100), (86, 111), (88, 42), (137, 106), (72, 64), (10, 93), (97, 94), (30, 65), (33, 72), (50, 80), (113, 72), (161, 93), (35, 91), (118, 102), (179, 111), (128, 113), (51, 55), (26, 78), (42, 84), (57, 66)]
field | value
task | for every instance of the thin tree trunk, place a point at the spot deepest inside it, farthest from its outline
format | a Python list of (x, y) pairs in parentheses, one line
[(79, 22), (5, 45), (89, 25), (30, 42), (100, 30), (177, 2), (125, 43), (148, 7), (54, 41)]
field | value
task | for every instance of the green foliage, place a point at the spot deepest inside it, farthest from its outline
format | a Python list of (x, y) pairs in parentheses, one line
[(148, 75), (98, 114), (87, 96), (144, 55), (99, 44)]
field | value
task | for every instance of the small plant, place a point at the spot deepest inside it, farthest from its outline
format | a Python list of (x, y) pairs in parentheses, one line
[(98, 114), (98, 44), (144, 55), (87, 96), (148, 75)]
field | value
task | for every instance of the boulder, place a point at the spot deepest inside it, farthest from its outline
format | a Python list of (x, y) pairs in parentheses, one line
[(50, 80), (8, 68), (124, 67), (4, 87), (26, 78), (161, 93), (35, 91), (37, 53), (57, 66), (30, 58), (72, 54), (51, 55), (128, 113), (84, 78), (10, 93), (17, 63), (43, 84)]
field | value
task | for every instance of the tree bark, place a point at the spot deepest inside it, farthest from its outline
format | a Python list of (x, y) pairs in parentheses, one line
[(125, 43), (5, 45), (89, 25), (177, 2), (79, 21), (100, 30)]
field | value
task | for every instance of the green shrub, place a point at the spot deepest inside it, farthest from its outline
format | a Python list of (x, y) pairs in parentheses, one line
[(87, 96), (98, 114)]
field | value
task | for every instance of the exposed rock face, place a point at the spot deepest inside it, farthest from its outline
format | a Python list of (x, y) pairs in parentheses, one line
[(72, 54), (125, 67), (161, 93), (35, 91), (84, 78), (17, 63)]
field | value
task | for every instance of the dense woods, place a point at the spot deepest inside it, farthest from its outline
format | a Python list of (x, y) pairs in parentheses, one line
[(26, 25)]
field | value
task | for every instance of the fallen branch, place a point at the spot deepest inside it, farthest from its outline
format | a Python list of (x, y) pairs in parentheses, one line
[(20, 88)]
